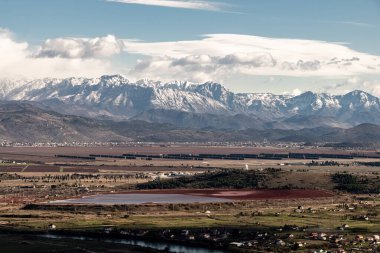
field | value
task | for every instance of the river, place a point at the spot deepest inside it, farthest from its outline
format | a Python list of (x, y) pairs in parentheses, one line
[(172, 247)]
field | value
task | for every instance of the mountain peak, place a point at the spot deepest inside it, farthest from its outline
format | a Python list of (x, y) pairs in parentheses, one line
[(357, 93), (147, 82), (358, 96), (113, 80)]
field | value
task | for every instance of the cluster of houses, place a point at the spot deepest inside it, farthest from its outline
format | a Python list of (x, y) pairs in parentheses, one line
[(5, 143), (332, 243), (173, 174), (250, 240)]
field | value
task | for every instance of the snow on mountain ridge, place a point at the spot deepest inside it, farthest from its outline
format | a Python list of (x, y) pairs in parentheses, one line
[(115, 95)]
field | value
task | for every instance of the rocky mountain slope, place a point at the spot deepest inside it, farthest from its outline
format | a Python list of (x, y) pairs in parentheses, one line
[(27, 122), (207, 105), (23, 122)]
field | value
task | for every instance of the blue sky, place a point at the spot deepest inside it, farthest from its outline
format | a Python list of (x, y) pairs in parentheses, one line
[(353, 23)]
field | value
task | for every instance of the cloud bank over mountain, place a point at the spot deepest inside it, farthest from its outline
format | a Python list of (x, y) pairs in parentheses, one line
[(218, 54), (214, 57)]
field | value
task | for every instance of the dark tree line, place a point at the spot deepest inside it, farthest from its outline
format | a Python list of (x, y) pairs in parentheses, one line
[(233, 179), (356, 184)]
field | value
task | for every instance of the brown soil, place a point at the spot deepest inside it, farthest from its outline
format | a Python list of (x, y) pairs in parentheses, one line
[(246, 194)]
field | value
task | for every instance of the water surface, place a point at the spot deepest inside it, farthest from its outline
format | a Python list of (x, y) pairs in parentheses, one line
[(136, 198), (172, 247)]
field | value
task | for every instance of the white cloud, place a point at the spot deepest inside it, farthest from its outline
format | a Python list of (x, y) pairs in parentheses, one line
[(369, 84), (296, 92), (17, 61), (218, 56), (372, 86), (183, 4), (358, 24), (98, 47), (11, 52)]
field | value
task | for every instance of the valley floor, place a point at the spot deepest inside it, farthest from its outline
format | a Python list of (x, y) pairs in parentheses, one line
[(339, 221)]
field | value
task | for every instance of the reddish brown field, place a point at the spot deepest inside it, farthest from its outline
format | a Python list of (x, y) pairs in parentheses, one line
[(107, 168), (246, 194), (42, 168), (10, 169), (80, 170)]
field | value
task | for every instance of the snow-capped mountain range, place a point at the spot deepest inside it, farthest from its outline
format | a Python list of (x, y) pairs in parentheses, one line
[(115, 97)]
